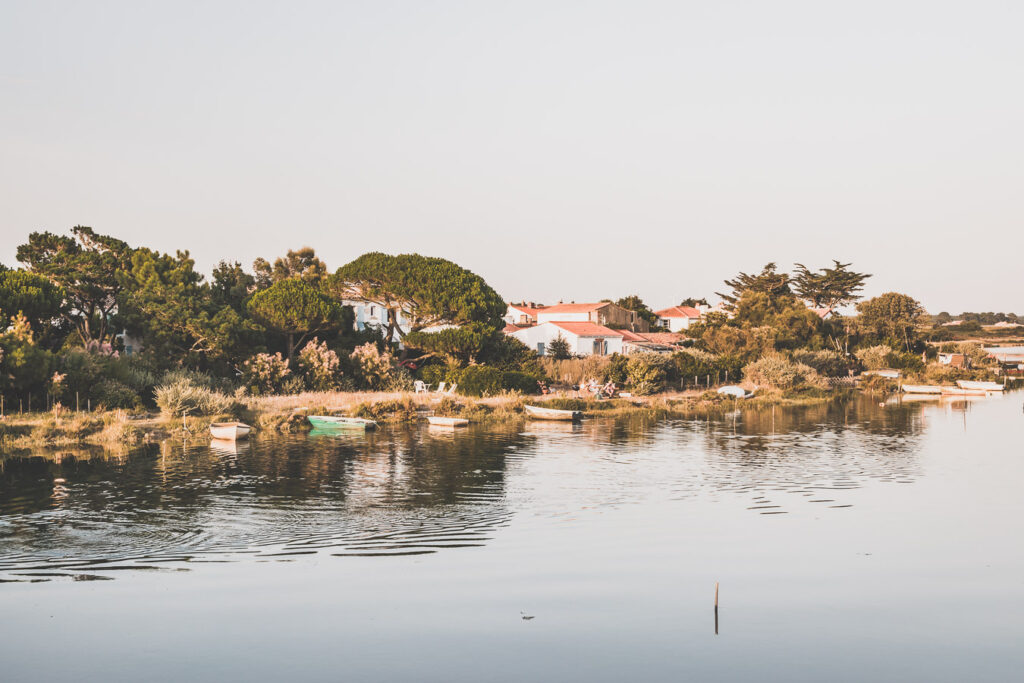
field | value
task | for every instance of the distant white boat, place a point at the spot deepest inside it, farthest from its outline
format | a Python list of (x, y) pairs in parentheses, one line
[(447, 421), (538, 413), (958, 391), (735, 391), (986, 386), (922, 389), (229, 431)]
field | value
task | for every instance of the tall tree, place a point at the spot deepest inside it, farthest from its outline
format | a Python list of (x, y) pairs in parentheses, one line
[(829, 287), (693, 303), (231, 285), (31, 294), (769, 281), (892, 316), (636, 304), (302, 264), (297, 310), (428, 291), (87, 267)]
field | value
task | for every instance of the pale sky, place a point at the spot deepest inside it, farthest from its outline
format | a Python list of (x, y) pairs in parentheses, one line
[(561, 150)]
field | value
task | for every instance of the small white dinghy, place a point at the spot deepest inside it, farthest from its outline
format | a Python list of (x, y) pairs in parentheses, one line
[(734, 391), (984, 386), (229, 431), (436, 421), (538, 413)]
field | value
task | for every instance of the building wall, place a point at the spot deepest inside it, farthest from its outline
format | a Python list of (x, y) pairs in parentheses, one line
[(676, 324), (545, 333), (581, 317)]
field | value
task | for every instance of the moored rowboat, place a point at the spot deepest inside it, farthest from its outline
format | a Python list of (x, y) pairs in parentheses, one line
[(339, 422), (986, 386), (958, 391), (539, 413), (922, 389), (229, 431), (447, 421)]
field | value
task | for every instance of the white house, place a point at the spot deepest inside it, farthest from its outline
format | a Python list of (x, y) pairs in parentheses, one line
[(677, 318), (584, 338), (522, 314), (372, 314)]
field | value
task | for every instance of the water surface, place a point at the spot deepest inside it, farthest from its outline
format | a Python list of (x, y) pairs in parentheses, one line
[(850, 542)]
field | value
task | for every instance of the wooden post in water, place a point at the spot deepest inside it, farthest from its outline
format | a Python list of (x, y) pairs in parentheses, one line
[(716, 608)]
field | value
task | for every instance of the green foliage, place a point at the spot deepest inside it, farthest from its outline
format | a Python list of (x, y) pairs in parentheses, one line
[(479, 380), (265, 373), (777, 371), (647, 373), (297, 310), (88, 267), (110, 394), (38, 299), (876, 357), (432, 291), (829, 287), (891, 317), (769, 281), (378, 371), (182, 395), (618, 370), (301, 264), (24, 366), (320, 366), (559, 348), (825, 362), (636, 304)]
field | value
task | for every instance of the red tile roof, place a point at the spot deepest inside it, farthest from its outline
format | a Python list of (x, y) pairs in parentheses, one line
[(509, 329), (522, 308), (678, 312), (587, 329), (574, 308)]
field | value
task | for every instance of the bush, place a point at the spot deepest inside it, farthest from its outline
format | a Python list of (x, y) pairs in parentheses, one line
[(827, 363), (265, 373), (775, 370), (182, 395), (647, 373), (480, 380), (432, 374), (320, 366), (875, 357), (576, 370), (378, 371), (110, 393)]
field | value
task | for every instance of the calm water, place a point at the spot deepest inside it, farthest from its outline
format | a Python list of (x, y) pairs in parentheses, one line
[(850, 543)]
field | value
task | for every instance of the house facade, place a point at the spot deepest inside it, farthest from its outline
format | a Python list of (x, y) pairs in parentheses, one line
[(585, 338), (603, 313), (677, 318)]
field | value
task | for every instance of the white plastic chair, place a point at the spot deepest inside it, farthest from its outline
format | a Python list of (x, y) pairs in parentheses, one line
[(421, 386)]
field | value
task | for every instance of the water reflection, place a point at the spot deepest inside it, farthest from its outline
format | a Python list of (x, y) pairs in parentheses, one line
[(411, 491)]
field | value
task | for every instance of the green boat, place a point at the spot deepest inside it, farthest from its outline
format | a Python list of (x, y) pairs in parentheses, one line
[(337, 422)]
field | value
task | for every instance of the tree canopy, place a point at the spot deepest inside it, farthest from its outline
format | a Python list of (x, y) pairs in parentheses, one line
[(32, 294), (769, 281), (636, 304), (302, 264), (892, 317), (430, 291), (86, 266), (297, 310), (828, 287)]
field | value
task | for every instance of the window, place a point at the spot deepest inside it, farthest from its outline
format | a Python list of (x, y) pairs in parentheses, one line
[(600, 347), (540, 348)]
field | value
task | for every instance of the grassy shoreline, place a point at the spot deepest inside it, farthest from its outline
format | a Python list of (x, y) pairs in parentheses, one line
[(32, 431)]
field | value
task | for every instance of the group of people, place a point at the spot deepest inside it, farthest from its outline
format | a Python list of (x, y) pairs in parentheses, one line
[(594, 388)]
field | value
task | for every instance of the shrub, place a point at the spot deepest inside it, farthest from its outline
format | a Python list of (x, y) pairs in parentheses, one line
[(265, 373), (559, 349), (647, 372), (378, 371), (321, 367), (825, 362), (775, 370), (618, 370), (433, 374), (110, 393), (576, 370), (481, 380), (182, 395), (875, 357)]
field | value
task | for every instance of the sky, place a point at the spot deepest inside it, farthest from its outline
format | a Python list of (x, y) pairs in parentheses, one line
[(563, 150)]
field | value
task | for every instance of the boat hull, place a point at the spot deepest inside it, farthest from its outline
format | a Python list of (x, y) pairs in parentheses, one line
[(538, 413), (921, 389), (447, 421), (230, 431), (335, 422), (984, 386)]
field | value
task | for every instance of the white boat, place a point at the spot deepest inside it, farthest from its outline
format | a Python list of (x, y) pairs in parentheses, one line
[(341, 422), (447, 421), (229, 431), (958, 391), (734, 391), (986, 386), (921, 389), (538, 413)]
